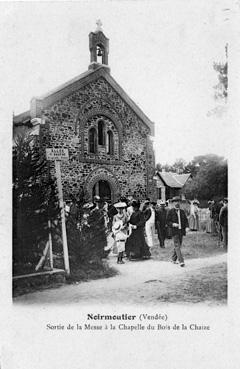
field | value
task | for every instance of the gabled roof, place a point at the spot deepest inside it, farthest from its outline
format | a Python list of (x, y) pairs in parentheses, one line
[(79, 82), (174, 180), (22, 118)]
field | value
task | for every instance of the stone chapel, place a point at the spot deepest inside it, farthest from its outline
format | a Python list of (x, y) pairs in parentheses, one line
[(108, 136)]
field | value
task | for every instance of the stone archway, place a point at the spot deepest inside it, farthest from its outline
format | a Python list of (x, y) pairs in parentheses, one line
[(99, 180), (93, 108)]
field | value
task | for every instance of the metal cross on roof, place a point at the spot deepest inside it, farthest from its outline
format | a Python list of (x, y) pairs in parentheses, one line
[(99, 25)]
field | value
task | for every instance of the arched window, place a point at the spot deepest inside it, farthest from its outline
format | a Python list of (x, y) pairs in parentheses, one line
[(110, 144), (100, 54), (92, 140), (101, 133)]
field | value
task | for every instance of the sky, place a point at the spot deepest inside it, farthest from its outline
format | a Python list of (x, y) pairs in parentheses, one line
[(161, 53)]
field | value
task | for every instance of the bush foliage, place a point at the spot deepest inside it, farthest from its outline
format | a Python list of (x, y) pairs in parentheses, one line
[(34, 200)]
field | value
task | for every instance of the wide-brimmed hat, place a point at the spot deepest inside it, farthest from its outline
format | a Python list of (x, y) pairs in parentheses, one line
[(176, 198), (196, 202), (117, 225), (88, 205), (120, 205), (161, 202)]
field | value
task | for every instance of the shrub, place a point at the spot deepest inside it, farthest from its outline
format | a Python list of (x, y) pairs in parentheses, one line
[(35, 201)]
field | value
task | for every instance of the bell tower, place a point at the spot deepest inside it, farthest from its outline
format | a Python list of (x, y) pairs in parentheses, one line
[(99, 48)]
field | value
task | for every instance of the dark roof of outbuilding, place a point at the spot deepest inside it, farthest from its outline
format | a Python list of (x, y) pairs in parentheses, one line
[(174, 180)]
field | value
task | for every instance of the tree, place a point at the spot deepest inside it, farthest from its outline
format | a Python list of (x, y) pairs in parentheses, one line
[(221, 89), (35, 200), (180, 166), (209, 178), (160, 167)]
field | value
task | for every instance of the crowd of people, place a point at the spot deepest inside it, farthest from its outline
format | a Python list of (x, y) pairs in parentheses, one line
[(217, 220), (134, 228), (130, 225)]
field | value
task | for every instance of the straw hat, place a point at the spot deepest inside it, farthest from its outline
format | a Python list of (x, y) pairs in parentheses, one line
[(96, 198), (161, 202), (88, 205), (176, 198), (196, 202), (120, 205), (117, 225)]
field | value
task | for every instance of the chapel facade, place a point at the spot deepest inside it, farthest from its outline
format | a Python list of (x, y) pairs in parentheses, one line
[(107, 135)]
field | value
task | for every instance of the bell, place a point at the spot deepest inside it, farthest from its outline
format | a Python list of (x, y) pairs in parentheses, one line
[(99, 52)]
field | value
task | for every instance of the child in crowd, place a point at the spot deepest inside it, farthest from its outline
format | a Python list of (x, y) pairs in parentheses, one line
[(119, 228)]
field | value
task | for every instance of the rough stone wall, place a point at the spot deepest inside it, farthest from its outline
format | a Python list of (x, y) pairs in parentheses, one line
[(67, 125), (152, 183)]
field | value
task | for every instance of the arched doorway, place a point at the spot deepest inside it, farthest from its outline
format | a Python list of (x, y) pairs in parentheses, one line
[(103, 183), (102, 189)]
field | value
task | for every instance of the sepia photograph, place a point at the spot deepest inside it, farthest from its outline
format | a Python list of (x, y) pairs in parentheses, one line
[(122, 139)]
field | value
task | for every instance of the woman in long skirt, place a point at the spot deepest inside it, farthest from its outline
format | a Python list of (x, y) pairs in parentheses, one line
[(213, 229), (136, 247), (119, 228), (208, 222), (194, 216), (149, 215)]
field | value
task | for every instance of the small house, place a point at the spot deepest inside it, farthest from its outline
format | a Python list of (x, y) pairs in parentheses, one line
[(170, 184)]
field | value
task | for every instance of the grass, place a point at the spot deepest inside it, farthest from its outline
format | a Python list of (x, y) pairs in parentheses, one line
[(23, 268), (195, 245), (80, 272), (205, 284), (89, 271)]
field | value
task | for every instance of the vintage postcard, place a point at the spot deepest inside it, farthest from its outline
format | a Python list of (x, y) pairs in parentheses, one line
[(120, 148)]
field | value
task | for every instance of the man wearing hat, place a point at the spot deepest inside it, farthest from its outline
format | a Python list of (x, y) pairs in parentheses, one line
[(177, 220), (86, 211), (223, 220), (97, 231), (96, 202), (160, 222)]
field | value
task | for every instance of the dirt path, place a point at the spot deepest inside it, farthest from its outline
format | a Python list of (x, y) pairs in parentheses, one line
[(137, 282)]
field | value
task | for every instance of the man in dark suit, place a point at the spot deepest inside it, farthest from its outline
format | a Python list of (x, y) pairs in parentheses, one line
[(177, 220), (160, 222)]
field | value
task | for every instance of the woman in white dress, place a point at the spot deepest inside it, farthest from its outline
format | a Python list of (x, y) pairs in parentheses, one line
[(194, 216), (149, 214), (208, 221), (120, 229)]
